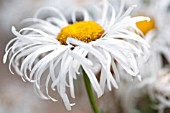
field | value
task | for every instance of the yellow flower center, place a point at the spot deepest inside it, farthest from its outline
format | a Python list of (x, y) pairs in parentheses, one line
[(146, 26), (85, 31)]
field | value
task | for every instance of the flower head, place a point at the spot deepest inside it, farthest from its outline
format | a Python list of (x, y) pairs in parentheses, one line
[(146, 26), (85, 31), (155, 87), (155, 72), (155, 32), (55, 49)]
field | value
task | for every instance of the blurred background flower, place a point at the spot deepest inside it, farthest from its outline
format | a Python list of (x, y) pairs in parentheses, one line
[(151, 95)]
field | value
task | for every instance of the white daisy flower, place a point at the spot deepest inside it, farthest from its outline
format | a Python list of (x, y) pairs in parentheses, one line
[(129, 95), (55, 49), (156, 33), (159, 89), (158, 36), (158, 85)]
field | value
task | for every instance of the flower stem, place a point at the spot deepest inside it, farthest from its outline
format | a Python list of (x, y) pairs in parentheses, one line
[(90, 93)]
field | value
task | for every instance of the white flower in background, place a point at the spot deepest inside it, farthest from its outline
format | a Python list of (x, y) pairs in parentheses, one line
[(129, 95), (159, 89), (156, 33), (159, 39), (156, 87), (51, 47)]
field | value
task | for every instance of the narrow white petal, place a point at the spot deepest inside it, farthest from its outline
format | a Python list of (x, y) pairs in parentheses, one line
[(93, 81), (59, 13)]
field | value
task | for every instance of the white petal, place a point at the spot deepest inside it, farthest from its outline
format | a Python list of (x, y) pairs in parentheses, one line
[(93, 81)]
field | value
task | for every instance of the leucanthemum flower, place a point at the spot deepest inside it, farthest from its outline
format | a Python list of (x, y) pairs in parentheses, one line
[(158, 89), (51, 47), (129, 95), (155, 33)]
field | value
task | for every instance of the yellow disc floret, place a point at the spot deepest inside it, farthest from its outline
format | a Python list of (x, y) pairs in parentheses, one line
[(85, 31), (146, 26)]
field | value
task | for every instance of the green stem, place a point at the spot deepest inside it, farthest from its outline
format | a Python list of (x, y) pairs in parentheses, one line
[(90, 93)]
